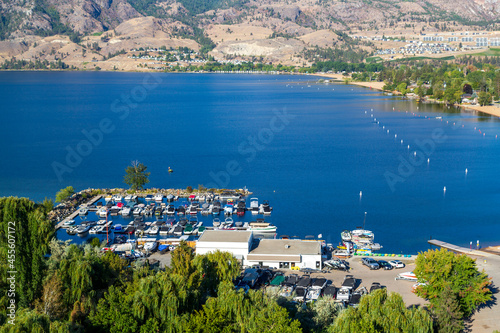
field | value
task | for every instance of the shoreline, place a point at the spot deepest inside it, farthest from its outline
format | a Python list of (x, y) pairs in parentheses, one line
[(491, 110)]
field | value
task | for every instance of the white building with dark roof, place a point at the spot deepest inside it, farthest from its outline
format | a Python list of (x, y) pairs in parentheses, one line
[(276, 253)]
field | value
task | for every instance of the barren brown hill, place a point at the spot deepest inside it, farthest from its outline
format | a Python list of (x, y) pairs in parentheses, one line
[(283, 31)]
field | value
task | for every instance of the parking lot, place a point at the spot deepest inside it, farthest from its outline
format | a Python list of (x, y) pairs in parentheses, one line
[(365, 277)]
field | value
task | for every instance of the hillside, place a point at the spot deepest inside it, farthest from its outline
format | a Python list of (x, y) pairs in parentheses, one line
[(83, 31)]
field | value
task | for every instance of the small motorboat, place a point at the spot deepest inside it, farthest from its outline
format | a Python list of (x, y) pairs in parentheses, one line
[(254, 206), (150, 246), (154, 230), (118, 229), (265, 209), (83, 211), (228, 210), (69, 222), (170, 198)]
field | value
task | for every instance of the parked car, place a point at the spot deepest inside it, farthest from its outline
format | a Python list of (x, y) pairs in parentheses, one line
[(397, 264), (385, 265), (370, 263), (375, 286)]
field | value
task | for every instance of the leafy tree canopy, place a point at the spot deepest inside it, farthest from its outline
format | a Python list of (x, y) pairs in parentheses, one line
[(442, 269)]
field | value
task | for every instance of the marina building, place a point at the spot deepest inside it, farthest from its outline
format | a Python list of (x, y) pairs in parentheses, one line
[(276, 253)]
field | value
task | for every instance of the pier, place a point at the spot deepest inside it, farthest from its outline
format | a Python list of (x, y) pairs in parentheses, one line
[(455, 248), (75, 213)]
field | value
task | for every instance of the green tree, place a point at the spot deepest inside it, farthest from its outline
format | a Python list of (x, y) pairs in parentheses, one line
[(136, 175), (484, 98), (402, 88), (441, 269), (383, 312), (447, 313), (64, 194), (27, 222)]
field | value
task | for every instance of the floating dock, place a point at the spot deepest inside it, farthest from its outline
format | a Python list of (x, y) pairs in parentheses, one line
[(455, 248)]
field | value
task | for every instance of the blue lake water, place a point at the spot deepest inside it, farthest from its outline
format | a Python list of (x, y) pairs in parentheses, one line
[(308, 148)]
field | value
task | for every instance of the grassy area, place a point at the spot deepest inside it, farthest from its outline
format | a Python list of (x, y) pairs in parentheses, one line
[(490, 53), (373, 59), (425, 58), (97, 34)]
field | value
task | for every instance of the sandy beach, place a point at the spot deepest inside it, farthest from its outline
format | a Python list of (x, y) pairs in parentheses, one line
[(488, 109)]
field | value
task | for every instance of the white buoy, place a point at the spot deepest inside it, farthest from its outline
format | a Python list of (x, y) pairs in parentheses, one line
[(408, 146), (466, 171), (444, 189), (360, 194), (383, 127), (387, 131), (371, 115), (401, 141), (414, 153), (428, 160), (395, 135), (365, 112)]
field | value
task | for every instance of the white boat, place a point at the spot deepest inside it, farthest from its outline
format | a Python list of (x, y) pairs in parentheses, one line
[(262, 228), (154, 230), (118, 198), (101, 222), (408, 276), (254, 206), (148, 197), (265, 209), (158, 197), (361, 236), (95, 229), (128, 197), (83, 211), (228, 210), (193, 210), (170, 198), (137, 211), (125, 211), (216, 222), (108, 198), (69, 222), (103, 212), (150, 246)]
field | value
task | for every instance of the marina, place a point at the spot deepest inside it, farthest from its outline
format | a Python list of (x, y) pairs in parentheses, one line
[(321, 185)]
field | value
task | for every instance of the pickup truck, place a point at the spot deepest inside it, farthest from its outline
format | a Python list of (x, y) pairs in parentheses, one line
[(370, 263)]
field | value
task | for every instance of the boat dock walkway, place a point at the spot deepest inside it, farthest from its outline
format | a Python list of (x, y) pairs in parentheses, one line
[(456, 248), (75, 213)]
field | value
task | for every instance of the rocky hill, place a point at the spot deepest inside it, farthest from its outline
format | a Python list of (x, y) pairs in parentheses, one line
[(284, 30)]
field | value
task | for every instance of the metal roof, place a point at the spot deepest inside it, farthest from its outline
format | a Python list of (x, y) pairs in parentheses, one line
[(231, 236), (287, 247)]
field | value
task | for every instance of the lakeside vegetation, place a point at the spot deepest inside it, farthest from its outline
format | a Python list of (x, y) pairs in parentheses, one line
[(63, 287)]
